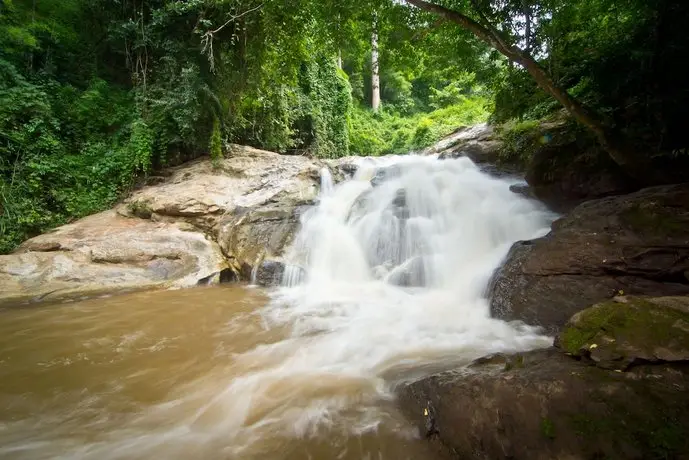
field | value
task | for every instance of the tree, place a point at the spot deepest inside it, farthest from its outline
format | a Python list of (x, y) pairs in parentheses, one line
[(375, 69), (614, 143)]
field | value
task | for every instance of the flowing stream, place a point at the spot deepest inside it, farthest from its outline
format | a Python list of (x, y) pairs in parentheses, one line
[(384, 284)]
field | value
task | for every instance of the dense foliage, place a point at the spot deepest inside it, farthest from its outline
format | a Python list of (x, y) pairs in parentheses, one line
[(619, 57), (94, 94)]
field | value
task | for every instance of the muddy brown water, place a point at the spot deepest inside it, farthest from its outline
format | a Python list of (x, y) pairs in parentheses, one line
[(180, 374)]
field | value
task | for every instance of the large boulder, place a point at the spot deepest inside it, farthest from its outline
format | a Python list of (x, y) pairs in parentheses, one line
[(629, 244), (203, 193), (625, 331), (544, 405), (567, 166), (106, 253), (616, 388), (249, 203)]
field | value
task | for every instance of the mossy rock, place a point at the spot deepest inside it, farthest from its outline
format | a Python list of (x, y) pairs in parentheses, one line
[(140, 208), (656, 218), (628, 330), (552, 406)]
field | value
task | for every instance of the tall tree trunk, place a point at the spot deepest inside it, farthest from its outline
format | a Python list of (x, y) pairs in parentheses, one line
[(527, 26), (375, 75), (617, 147)]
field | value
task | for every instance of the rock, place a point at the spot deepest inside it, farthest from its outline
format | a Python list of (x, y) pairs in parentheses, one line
[(634, 244), (269, 272), (250, 203), (545, 405), (224, 276), (480, 152), (346, 166), (565, 165), (522, 189), (250, 237), (476, 142), (106, 253), (630, 330), (386, 173), (164, 235), (399, 206), (349, 169), (202, 194)]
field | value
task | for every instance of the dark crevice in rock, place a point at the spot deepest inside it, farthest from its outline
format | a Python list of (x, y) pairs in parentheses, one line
[(224, 276), (228, 276), (134, 259)]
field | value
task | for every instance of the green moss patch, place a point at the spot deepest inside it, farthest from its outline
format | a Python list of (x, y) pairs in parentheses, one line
[(617, 333), (547, 428), (140, 209), (653, 218)]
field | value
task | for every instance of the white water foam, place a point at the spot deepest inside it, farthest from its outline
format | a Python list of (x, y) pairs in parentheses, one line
[(388, 278)]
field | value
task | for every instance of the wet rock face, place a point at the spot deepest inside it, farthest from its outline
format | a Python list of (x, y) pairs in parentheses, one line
[(547, 405), (348, 169), (566, 167), (386, 173), (629, 244), (615, 387), (269, 273), (476, 142), (250, 204), (257, 235), (563, 166)]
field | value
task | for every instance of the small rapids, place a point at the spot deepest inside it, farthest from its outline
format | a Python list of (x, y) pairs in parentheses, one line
[(386, 282)]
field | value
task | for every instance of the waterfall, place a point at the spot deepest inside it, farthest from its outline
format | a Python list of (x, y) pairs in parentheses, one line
[(390, 268), (413, 222)]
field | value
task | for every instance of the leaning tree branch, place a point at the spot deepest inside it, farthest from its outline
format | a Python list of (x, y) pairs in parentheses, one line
[(617, 147)]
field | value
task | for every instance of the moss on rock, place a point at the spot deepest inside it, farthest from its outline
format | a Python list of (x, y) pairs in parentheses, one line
[(655, 218), (141, 209), (617, 333)]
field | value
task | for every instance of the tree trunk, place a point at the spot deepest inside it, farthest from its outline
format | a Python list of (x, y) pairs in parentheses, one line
[(375, 76), (617, 147), (527, 28)]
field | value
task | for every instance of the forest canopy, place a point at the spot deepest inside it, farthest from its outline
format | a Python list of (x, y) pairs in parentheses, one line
[(95, 94)]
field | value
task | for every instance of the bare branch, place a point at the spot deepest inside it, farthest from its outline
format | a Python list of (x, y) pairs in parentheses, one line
[(207, 38), (235, 17)]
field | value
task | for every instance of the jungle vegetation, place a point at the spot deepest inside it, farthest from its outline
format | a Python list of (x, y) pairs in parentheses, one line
[(96, 94)]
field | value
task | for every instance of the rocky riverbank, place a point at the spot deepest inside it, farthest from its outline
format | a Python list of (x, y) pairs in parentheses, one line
[(199, 223)]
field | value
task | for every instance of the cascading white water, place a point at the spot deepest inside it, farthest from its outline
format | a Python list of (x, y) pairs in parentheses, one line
[(384, 278), (440, 224)]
